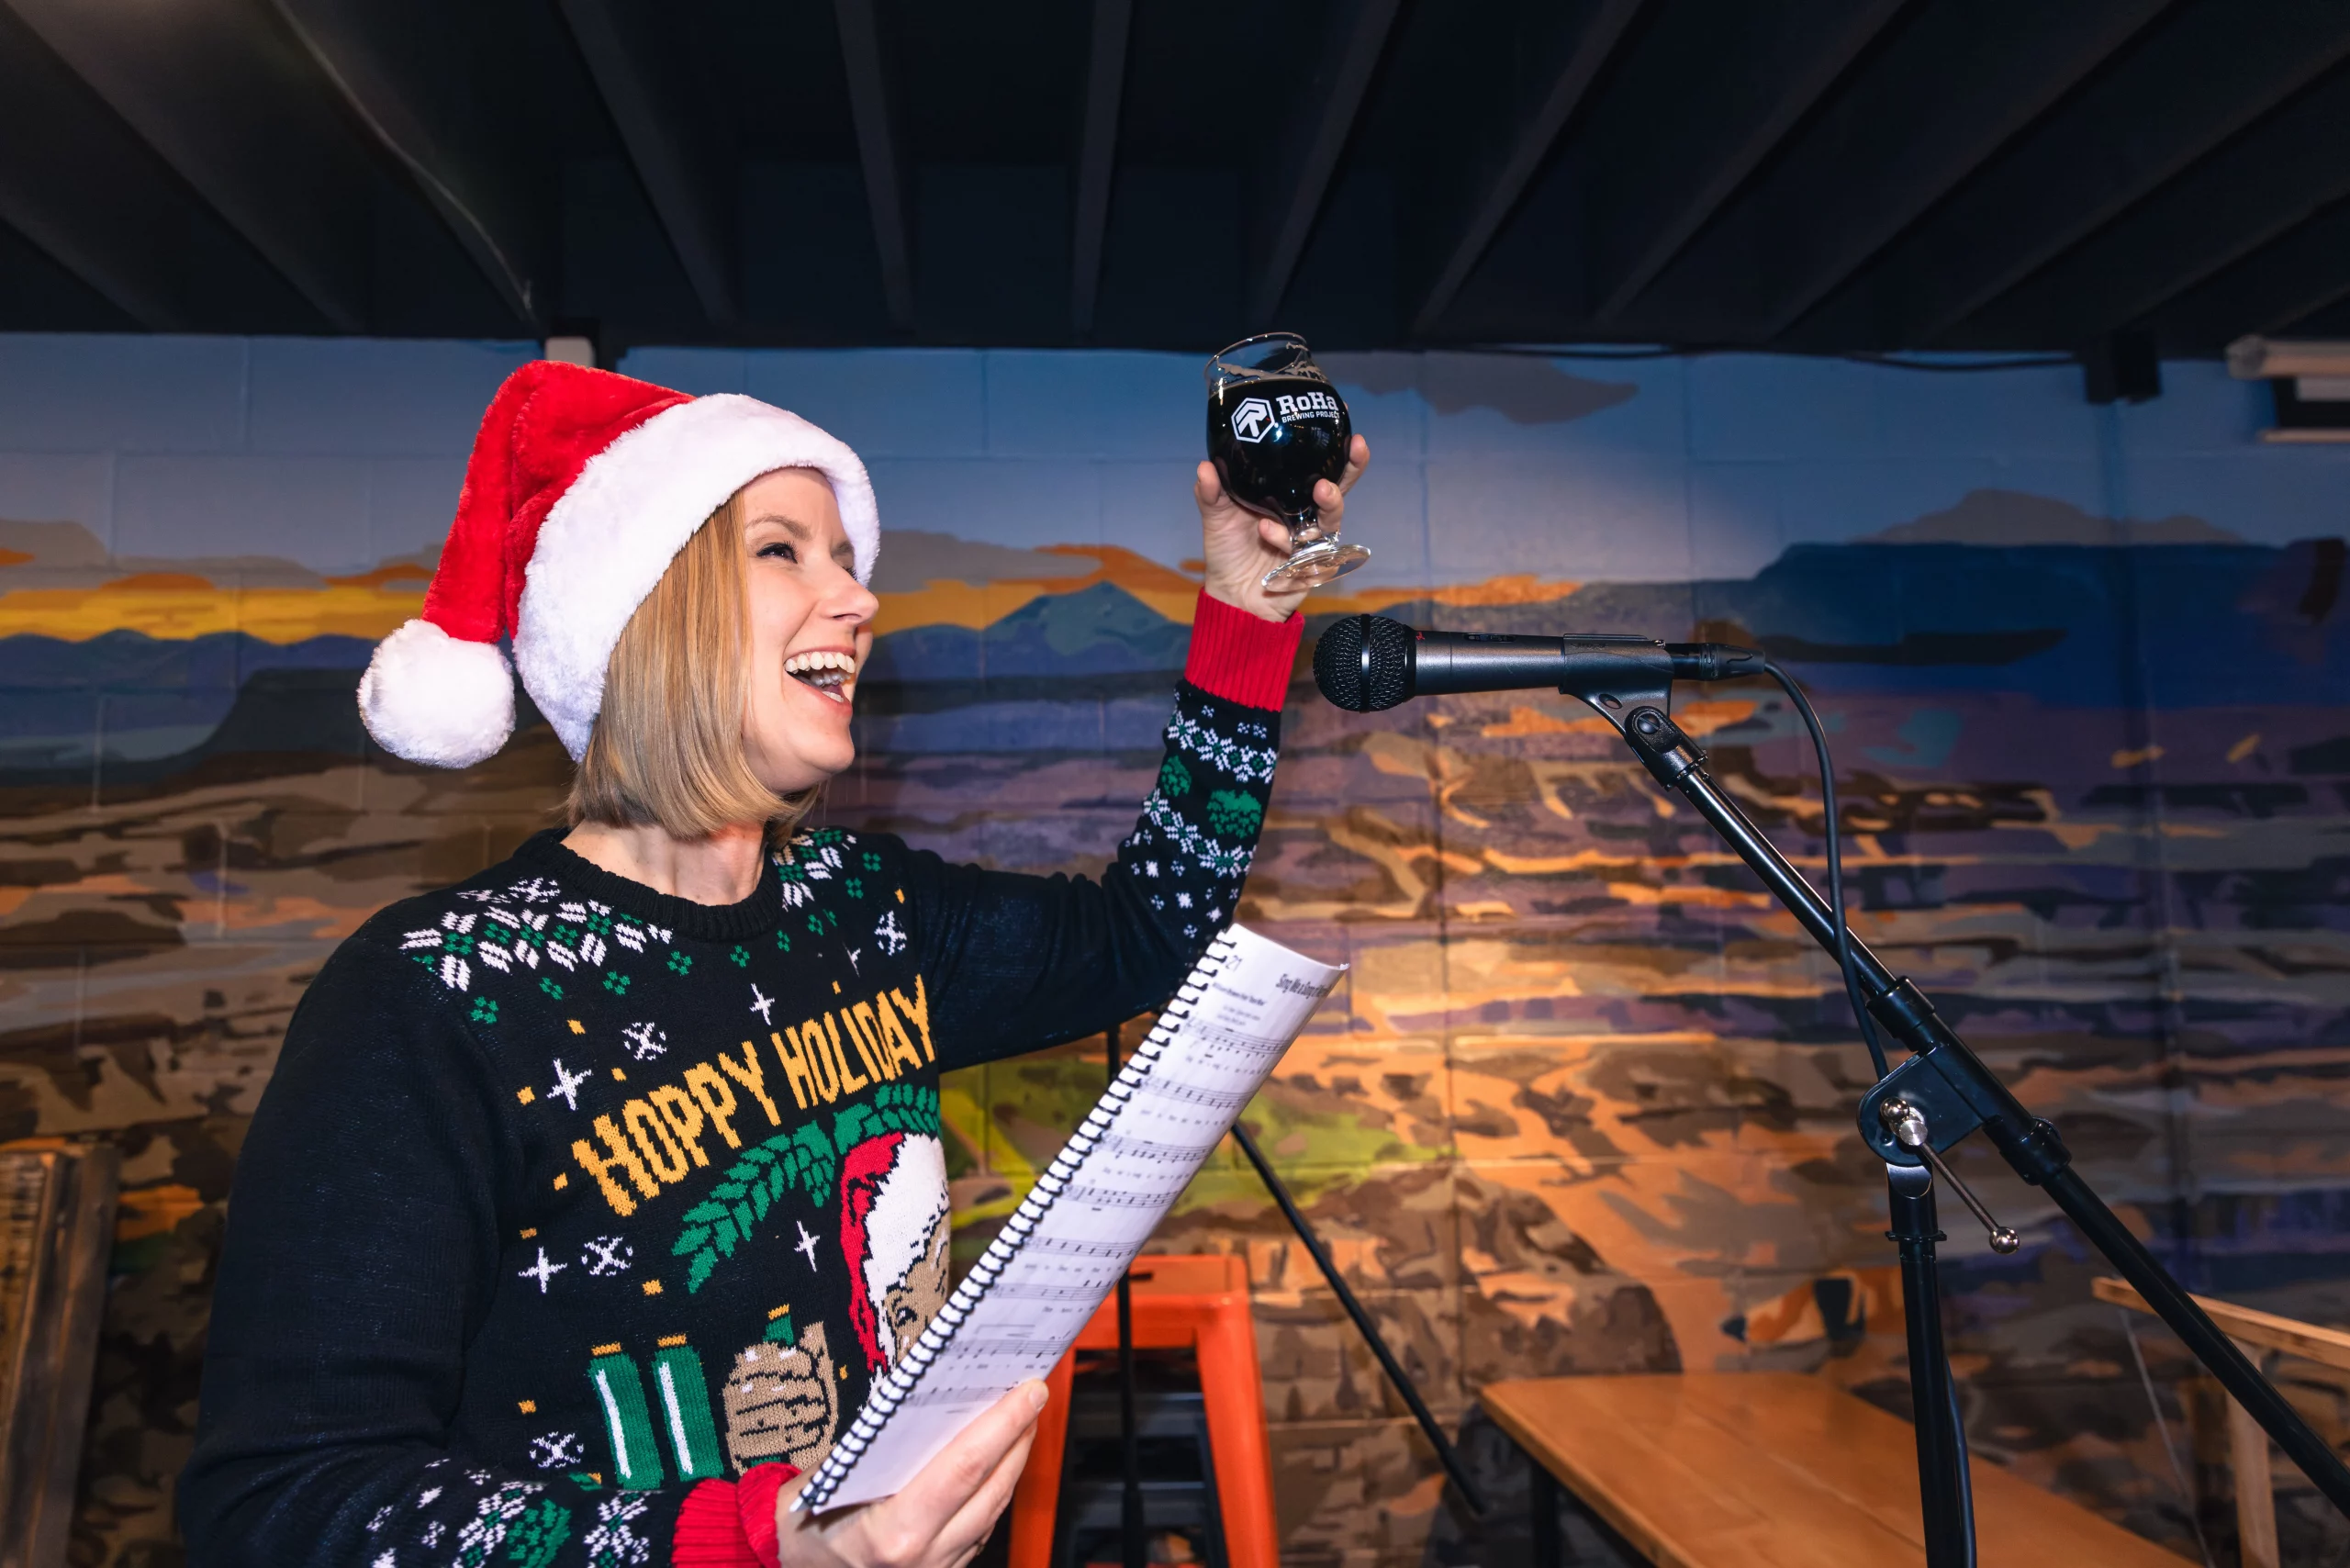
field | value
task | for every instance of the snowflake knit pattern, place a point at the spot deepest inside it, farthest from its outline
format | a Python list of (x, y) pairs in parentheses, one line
[(569, 1197)]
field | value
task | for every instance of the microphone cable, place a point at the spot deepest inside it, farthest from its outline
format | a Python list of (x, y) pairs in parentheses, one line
[(1869, 1037), (1852, 993)]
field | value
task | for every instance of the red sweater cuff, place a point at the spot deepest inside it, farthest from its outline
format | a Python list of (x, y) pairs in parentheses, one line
[(730, 1524), (710, 1531), (1240, 659)]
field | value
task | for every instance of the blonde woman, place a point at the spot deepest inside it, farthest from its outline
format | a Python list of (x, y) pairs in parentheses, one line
[(590, 1195)]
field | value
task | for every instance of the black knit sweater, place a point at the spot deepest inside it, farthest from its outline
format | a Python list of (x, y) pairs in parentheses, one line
[(568, 1197)]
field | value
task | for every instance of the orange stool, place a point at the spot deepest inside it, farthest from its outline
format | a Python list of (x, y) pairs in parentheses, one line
[(1194, 1304)]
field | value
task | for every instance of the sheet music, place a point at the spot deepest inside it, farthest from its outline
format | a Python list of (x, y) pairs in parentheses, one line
[(1062, 1251)]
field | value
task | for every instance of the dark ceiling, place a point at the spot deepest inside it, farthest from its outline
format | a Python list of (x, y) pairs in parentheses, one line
[(1818, 175)]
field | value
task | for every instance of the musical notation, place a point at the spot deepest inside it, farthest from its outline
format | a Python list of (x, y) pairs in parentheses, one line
[(1062, 1251), (1073, 1246), (1201, 1095)]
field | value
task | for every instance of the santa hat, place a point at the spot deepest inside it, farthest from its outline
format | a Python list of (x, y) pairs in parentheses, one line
[(582, 486)]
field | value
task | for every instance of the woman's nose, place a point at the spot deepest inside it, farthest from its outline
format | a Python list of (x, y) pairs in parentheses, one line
[(855, 601)]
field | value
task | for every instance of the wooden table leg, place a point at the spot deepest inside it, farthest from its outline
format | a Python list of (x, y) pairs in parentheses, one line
[(1543, 1504), (2255, 1492)]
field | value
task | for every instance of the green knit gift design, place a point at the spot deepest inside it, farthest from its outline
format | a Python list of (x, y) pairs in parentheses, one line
[(802, 1159)]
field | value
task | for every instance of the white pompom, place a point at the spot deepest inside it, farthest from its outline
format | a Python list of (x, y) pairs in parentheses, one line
[(433, 699)]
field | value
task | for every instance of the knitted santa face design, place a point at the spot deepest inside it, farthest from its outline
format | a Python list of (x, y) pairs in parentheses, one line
[(582, 486), (894, 1232)]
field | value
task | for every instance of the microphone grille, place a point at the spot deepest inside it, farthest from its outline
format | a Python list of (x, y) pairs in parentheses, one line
[(1363, 663)]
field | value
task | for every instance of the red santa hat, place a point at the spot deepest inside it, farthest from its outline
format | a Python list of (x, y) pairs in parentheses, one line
[(582, 486)]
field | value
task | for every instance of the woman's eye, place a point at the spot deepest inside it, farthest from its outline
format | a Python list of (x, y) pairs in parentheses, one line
[(780, 551)]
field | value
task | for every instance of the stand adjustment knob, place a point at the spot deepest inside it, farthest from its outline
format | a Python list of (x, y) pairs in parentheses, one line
[(1908, 1126)]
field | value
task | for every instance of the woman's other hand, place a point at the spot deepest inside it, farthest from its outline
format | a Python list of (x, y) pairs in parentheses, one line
[(1241, 547), (943, 1515)]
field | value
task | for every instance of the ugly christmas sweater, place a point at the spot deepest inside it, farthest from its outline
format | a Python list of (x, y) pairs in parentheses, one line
[(577, 1218)]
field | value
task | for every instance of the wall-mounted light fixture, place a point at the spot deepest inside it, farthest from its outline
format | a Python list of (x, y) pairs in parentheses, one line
[(2309, 380)]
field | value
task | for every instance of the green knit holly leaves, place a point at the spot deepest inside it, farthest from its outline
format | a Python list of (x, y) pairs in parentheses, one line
[(894, 1108), (803, 1159), (1232, 815), (1174, 778)]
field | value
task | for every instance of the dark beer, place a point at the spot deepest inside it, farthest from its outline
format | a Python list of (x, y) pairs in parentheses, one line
[(1275, 425), (1271, 437)]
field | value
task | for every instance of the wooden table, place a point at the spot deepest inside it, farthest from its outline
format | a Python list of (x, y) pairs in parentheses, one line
[(1770, 1470)]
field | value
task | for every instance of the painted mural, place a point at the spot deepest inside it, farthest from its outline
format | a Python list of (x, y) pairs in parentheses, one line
[(1584, 1103)]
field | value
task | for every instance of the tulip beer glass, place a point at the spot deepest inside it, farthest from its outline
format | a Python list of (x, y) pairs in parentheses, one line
[(1276, 425)]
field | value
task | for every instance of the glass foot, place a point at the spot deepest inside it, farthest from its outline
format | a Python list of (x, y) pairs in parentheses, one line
[(1317, 564)]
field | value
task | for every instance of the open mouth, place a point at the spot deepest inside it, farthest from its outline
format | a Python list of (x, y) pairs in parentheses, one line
[(827, 673)]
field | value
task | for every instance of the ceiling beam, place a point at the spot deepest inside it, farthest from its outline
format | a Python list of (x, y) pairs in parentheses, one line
[(233, 107), (2293, 277), (65, 149), (1097, 155), (2184, 86), (1703, 100), (2263, 184), (460, 151), (880, 150), (1945, 93), (1289, 203), (646, 84), (1491, 199)]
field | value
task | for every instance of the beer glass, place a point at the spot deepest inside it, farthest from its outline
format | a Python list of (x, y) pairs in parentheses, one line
[(1276, 425)]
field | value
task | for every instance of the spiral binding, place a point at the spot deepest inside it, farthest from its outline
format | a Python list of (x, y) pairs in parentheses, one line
[(906, 1376)]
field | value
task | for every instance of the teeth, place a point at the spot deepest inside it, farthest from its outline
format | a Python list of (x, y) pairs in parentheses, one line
[(799, 664), (826, 672)]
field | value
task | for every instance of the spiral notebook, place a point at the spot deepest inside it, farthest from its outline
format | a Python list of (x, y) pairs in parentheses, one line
[(1062, 1251)]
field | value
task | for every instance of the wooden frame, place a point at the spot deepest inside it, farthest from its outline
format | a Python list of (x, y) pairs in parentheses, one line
[(56, 1231), (2262, 1337)]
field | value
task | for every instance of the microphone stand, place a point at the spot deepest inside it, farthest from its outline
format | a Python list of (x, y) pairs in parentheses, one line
[(1931, 1101)]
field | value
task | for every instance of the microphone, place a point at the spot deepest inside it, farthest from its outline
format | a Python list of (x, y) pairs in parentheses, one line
[(1367, 663)]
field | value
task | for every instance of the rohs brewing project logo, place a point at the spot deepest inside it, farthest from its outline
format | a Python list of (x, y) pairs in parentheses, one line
[(1252, 420)]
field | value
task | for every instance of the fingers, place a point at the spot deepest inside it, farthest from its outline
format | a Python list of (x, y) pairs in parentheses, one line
[(1330, 500), (1207, 485), (1274, 534), (978, 1516), (920, 1513)]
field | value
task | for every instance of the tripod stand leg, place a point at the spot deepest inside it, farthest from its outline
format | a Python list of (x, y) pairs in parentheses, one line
[(1941, 1494), (1445, 1452), (1542, 1513)]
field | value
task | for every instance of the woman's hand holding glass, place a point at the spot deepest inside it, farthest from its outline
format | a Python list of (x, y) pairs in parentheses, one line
[(1240, 546)]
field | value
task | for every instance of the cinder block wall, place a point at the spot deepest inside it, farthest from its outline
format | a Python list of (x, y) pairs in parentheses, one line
[(1584, 1104)]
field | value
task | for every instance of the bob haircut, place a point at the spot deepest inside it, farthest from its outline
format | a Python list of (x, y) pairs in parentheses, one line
[(666, 748)]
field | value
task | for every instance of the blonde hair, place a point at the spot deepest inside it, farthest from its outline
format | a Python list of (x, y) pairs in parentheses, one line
[(666, 748)]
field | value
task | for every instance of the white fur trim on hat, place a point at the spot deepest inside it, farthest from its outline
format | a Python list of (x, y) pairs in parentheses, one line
[(433, 699), (608, 538)]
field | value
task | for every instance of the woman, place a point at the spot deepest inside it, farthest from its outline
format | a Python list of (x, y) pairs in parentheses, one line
[(590, 1196)]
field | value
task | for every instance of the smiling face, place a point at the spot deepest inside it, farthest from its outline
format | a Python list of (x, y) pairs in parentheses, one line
[(809, 629)]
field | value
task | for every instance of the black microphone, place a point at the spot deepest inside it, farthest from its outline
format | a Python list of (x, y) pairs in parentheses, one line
[(1366, 663)]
